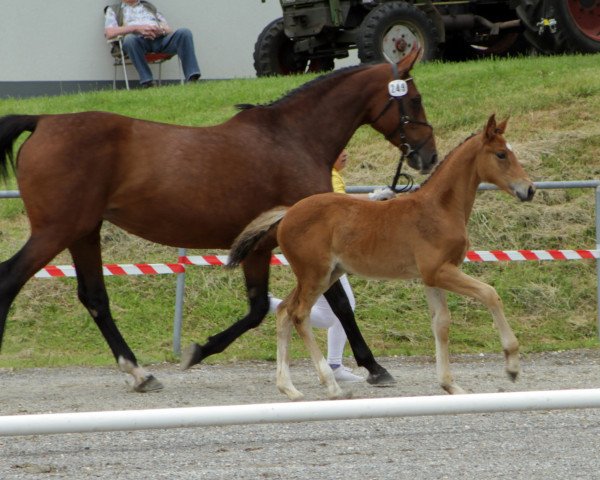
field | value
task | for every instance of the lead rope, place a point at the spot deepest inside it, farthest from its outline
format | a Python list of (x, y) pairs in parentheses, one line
[(410, 181)]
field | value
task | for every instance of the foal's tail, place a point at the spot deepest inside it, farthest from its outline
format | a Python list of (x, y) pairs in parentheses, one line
[(11, 126), (254, 233)]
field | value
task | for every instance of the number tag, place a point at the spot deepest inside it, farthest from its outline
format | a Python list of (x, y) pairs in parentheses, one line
[(398, 88)]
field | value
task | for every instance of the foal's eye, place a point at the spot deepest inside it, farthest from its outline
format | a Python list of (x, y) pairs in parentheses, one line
[(501, 155)]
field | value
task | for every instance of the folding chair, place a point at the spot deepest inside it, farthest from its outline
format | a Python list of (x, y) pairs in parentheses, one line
[(121, 59)]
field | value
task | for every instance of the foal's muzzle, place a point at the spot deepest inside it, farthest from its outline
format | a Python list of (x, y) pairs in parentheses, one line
[(524, 191)]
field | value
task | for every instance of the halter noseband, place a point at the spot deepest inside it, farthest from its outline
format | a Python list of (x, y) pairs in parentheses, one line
[(405, 148)]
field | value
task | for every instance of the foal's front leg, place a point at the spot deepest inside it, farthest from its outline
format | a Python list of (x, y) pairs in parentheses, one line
[(440, 325), (454, 280)]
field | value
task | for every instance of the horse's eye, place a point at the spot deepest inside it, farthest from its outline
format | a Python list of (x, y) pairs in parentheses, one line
[(501, 155), (416, 101)]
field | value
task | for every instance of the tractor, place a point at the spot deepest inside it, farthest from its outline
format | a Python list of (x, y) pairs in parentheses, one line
[(311, 34)]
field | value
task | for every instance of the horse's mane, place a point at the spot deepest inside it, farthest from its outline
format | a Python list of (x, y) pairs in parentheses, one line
[(443, 162), (323, 79)]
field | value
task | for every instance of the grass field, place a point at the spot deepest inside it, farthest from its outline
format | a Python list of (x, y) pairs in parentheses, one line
[(553, 104)]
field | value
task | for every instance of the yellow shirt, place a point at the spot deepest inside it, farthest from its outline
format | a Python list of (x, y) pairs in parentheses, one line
[(337, 181)]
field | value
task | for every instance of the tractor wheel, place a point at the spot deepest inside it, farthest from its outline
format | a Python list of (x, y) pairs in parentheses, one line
[(578, 24), (389, 32), (274, 54)]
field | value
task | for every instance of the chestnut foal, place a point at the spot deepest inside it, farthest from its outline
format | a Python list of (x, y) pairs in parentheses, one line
[(420, 235)]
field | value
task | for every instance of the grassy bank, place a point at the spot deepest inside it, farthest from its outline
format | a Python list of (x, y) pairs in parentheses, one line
[(552, 103)]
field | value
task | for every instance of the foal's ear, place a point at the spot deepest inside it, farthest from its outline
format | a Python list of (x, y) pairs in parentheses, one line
[(501, 127), (491, 129)]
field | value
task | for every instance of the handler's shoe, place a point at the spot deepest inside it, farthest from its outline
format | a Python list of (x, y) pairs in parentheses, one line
[(344, 374)]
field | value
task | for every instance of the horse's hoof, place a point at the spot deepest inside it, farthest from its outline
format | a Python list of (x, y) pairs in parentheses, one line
[(513, 375), (191, 356), (381, 379), (149, 384)]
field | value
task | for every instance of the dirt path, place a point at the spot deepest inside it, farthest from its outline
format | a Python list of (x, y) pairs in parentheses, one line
[(528, 445)]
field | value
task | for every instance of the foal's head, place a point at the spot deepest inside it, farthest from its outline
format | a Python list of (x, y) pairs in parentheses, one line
[(402, 119), (497, 163)]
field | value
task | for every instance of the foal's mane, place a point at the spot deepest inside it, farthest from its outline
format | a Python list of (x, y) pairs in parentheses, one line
[(322, 80), (443, 162)]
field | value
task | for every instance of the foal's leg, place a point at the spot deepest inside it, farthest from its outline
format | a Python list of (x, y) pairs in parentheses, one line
[(440, 324), (339, 303), (284, 335), (92, 293), (256, 272), (451, 278)]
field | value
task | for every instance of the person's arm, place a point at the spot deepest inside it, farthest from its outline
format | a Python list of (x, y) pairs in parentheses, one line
[(112, 29)]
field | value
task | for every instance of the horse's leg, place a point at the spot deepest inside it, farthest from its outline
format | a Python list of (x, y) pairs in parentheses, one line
[(440, 324), (453, 279), (256, 272), (338, 301), (284, 334), (92, 294), (39, 249)]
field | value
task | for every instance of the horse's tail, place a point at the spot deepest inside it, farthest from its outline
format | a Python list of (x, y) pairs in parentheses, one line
[(11, 126), (254, 233)]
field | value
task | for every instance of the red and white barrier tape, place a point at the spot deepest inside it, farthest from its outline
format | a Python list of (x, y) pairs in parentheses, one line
[(53, 271)]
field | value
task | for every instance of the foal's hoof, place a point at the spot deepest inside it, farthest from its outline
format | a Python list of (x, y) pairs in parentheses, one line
[(381, 379), (191, 356), (513, 375), (149, 384)]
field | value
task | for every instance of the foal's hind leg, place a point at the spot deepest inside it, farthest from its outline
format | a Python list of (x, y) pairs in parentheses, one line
[(339, 303), (256, 272), (440, 324), (92, 293), (284, 335)]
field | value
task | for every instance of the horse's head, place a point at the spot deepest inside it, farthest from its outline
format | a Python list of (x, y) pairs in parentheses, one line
[(402, 117), (498, 164)]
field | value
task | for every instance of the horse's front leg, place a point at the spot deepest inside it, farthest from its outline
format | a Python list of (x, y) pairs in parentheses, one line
[(339, 303), (440, 325), (256, 273), (454, 280), (92, 293)]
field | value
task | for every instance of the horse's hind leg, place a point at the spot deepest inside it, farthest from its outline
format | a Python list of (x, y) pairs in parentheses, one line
[(440, 325), (17, 270), (256, 272), (339, 303), (92, 293)]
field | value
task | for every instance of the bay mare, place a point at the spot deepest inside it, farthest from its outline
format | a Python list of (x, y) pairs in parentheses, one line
[(194, 187), (419, 235)]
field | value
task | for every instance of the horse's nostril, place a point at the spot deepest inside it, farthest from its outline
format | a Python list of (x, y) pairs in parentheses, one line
[(434, 159), (530, 192)]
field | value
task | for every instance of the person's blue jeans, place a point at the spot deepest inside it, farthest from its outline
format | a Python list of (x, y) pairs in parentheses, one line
[(179, 42)]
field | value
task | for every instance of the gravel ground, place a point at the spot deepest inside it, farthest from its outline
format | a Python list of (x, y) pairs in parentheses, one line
[(532, 445)]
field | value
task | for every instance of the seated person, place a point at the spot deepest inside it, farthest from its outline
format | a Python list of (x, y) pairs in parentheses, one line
[(145, 30)]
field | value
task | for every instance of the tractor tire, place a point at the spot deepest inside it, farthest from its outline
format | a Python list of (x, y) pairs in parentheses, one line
[(389, 32), (274, 54), (578, 25)]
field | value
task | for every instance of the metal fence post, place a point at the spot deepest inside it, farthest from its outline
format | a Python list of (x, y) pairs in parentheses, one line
[(598, 259), (177, 321)]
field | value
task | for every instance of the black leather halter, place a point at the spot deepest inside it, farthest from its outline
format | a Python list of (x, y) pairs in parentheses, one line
[(406, 149)]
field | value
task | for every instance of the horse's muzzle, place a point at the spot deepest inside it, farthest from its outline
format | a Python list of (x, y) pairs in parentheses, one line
[(423, 165)]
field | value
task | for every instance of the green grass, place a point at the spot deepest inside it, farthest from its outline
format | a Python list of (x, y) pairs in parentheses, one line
[(553, 104)]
